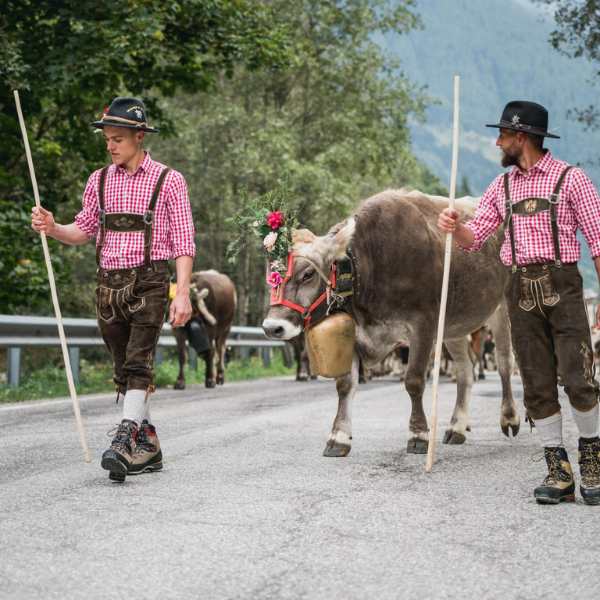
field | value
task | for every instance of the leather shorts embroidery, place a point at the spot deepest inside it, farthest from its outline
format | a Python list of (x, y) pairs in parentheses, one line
[(537, 291), (110, 301)]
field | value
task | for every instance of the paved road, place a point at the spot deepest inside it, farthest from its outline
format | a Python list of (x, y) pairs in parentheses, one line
[(247, 507)]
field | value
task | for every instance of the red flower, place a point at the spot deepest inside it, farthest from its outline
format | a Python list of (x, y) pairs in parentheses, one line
[(275, 219), (275, 279)]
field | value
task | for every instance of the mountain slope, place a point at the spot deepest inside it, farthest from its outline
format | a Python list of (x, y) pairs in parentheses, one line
[(501, 51)]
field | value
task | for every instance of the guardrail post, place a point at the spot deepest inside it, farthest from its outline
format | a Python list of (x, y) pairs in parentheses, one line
[(266, 357), (192, 358), (158, 356), (13, 359), (74, 359)]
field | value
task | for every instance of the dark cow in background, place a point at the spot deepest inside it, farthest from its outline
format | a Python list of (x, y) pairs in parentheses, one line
[(301, 358), (213, 302)]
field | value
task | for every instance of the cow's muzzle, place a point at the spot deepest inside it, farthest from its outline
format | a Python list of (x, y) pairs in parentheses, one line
[(280, 329)]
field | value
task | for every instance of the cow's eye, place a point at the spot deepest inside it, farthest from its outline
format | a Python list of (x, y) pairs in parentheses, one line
[(307, 275)]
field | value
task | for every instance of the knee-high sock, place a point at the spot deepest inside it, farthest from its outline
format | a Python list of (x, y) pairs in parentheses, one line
[(587, 422), (549, 430), (135, 405)]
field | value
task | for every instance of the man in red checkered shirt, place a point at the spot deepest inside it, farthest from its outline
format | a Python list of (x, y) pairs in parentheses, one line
[(542, 202), (139, 212)]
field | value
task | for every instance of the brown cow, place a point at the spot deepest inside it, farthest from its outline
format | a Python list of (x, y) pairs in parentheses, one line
[(213, 302), (398, 263)]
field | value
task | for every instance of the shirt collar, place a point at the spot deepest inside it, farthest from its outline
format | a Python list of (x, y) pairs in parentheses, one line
[(144, 166), (543, 165)]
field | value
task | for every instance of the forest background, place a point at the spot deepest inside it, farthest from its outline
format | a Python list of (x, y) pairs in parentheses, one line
[(247, 94)]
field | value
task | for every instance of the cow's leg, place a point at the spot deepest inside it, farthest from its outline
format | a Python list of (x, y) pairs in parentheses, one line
[(209, 359), (416, 375), (340, 438), (459, 349), (180, 337), (220, 350), (500, 326)]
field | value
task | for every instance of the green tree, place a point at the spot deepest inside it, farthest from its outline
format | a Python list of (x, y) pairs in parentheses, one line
[(464, 189), (333, 125), (578, 35), (69, 59)]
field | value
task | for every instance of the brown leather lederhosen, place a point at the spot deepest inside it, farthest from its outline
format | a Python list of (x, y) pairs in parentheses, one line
[(549, 326), (131, 303)]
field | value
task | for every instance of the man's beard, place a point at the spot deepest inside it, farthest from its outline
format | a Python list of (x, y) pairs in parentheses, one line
[(509, 160)]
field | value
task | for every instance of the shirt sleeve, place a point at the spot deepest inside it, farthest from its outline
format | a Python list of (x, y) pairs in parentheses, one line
[(586, 204), (487, 217), (181, 225), (87, 218)]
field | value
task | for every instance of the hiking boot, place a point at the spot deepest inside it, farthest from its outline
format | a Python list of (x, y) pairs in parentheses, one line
[(147, 455), (558, 486), (117, 458), (589, 468)]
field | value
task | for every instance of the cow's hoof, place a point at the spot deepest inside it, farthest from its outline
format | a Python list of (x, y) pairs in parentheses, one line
[(335, 449), (210, 383), (302, 378), (417, 446), (179, 385), (313, 377), (481, 376), (514, 429), (220, 379), (454, 438), (362, 379)]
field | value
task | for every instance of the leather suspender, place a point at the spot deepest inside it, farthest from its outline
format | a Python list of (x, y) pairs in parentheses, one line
[(138, 222), (149, 217), (552, 201), (101, 214)]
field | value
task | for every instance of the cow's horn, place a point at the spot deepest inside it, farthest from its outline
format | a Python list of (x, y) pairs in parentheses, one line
[(208, 316), (302, 236)]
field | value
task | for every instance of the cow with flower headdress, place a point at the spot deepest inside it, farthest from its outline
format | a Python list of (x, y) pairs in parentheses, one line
[(378, 275)]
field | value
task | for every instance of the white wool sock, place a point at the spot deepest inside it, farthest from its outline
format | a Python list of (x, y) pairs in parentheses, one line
[(135, 405), (147, 416), (587, 422), (549, 430)]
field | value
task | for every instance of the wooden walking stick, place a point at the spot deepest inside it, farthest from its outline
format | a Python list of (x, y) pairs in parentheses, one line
[(61, 331), (443, 301)]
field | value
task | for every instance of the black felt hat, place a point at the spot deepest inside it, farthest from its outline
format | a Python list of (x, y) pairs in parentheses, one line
[(528, 117), (125, 112)]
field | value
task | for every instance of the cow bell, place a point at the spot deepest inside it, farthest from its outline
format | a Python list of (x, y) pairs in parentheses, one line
[(330, 345)]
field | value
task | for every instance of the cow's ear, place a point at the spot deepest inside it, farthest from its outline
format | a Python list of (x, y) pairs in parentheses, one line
[(341, 235)]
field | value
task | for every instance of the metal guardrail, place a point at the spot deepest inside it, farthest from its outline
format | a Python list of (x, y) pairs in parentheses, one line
[(18, 332)]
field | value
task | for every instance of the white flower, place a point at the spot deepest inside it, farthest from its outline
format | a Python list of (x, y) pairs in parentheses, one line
[(269, 241), (255, 224)]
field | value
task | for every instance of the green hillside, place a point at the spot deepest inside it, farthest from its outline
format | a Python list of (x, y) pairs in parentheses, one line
[(500, 49)]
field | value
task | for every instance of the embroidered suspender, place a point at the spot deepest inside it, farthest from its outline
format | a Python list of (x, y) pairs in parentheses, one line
[(530, 206), (127, 221)]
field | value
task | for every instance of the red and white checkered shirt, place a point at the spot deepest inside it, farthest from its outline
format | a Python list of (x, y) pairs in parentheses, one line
[(172, 230), (579, 207)]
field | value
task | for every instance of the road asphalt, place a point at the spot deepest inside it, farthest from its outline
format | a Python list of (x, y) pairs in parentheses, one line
[(248, 508)]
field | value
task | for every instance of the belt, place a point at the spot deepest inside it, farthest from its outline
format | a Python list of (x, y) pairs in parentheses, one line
[(159, 266)]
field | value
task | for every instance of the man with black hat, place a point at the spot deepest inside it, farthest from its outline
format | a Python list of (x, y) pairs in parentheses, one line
[(542, 202), (139, 212)]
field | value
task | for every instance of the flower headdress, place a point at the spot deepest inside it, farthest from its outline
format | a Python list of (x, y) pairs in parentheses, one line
[(271, 219)]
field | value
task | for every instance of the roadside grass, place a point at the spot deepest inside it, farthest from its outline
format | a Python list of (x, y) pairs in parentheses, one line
[(96, 377)]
